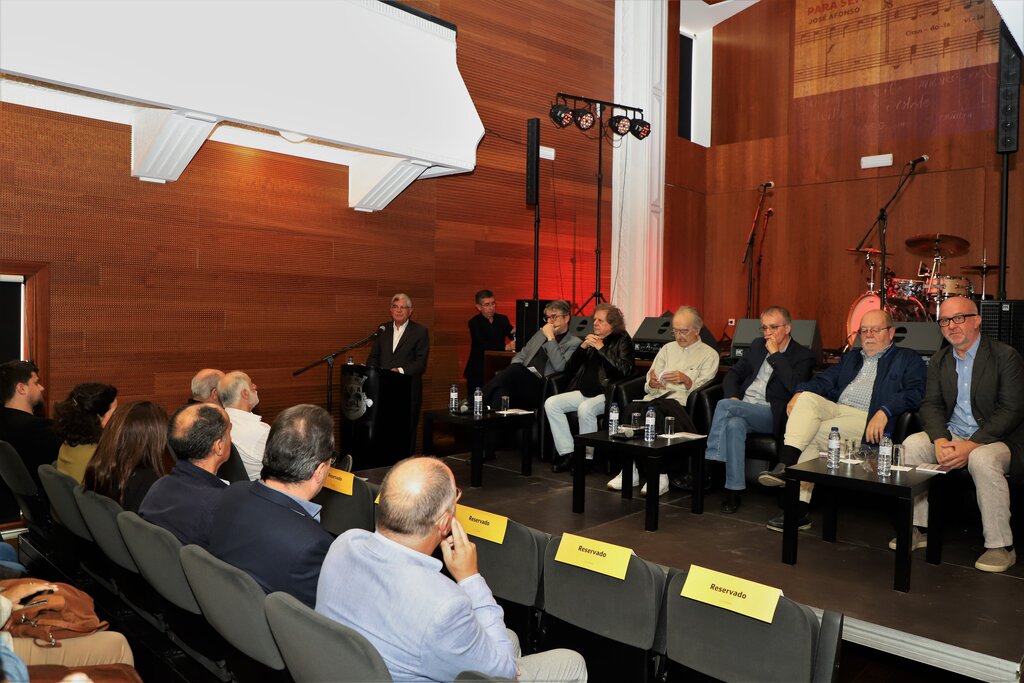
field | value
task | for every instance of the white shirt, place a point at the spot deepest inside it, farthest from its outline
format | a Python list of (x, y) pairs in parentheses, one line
[(698, 361), (249, 435), (397, 336)]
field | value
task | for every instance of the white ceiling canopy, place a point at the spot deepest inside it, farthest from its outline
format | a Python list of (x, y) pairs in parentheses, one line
[(378, 83)]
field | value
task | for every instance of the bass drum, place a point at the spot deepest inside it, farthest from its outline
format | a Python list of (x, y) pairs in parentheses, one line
[(902, 310)]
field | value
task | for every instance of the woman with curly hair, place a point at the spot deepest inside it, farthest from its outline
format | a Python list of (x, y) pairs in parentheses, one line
[(131, 455), (80, 420)]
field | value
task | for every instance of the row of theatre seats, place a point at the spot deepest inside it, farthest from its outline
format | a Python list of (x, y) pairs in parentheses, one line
[(220, 616)]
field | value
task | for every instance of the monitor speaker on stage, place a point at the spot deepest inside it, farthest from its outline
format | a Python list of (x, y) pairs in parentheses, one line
[(1004, 320), (923, 337), (805, 332), (581, 325), (654, 333), (529, 319), (532, 160)]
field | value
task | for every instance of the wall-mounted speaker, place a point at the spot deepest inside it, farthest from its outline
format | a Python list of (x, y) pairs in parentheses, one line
[(532, 160)]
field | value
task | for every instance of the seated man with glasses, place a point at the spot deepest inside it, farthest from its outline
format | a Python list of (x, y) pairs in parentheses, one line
[(545, 354), (868, 388), (973, 417), (681, 367), (755, 394)]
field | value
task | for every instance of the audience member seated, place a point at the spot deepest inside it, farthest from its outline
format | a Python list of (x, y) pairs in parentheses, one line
[(80, 420), (973, 417), (103, 647), (755, 394), (248, 430), (131, 455), (604, 357), (387, 586), (680, 367), (269, 528), (184, 501), (543, 355), (859, 395), (488, 331), (204, 386), (33, 437)]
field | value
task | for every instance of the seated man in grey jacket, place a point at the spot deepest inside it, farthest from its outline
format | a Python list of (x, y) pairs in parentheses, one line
[(544, 354)]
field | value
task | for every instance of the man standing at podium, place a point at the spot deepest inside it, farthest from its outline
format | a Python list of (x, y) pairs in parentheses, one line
[(403, 347)]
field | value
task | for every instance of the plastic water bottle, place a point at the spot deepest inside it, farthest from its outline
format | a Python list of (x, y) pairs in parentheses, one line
[(649, 431), (835, 447), (453, 399), (613, 420), (885, 456), (478, 402)]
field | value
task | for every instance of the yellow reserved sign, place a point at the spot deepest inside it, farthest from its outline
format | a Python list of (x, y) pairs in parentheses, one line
[(748, 598), (482, 524), (339, 480), (597, 556)]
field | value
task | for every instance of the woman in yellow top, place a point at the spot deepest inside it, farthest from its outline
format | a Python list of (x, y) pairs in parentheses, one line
[(80, 421)]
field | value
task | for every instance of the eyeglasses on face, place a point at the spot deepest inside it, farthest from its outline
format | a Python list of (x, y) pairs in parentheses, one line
[(553, 316), (681, 332), (771, 328), (958, 319), (399, 307), (874, 330)]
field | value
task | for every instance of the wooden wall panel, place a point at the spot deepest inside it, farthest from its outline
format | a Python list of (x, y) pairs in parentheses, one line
[(254, 260)]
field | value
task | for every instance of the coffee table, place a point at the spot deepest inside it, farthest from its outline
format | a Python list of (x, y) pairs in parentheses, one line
[(651, 455), (479, 427), (903, 486)]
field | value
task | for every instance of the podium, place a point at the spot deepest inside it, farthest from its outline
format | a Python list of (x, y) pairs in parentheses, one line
[(376, 417)]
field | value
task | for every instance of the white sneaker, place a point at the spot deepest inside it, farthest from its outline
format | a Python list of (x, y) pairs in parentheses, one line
[(662, 486), (616, 483)]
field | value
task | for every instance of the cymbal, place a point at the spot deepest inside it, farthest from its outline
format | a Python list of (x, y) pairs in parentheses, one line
[(867, 250), (980, 268), (937, 243)]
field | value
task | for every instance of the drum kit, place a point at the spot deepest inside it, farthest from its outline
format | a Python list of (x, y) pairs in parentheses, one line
[(918, 299)]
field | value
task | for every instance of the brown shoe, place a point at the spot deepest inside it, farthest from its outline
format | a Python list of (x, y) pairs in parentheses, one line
[(996, 560)]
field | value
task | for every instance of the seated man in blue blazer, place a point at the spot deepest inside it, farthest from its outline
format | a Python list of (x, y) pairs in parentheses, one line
[(269, 528)]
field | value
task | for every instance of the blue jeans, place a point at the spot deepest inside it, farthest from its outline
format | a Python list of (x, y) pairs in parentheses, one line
[(587, 411), (728, 435)]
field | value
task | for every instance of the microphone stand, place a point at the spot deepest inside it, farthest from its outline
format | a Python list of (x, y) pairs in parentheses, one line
[(748, 252), (329, 359), (760, 252), (883, 223)]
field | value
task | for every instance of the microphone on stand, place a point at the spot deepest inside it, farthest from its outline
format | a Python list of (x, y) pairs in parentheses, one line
[(920, 160), (380, 330)]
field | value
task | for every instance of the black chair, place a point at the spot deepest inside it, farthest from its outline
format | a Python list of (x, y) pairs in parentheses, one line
[(233, 470), (35, 508), (732, 647), (759, 446), (341, 512)]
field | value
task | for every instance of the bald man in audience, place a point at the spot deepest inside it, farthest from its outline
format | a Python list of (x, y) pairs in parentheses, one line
[(249, 432), (184, 501), (387, 586), (204, 386)]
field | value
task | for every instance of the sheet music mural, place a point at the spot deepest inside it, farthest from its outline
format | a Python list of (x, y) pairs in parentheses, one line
[(842, 44)]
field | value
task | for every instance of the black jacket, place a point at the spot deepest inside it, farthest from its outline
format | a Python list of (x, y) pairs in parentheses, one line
[(789, 368), (614, 361)]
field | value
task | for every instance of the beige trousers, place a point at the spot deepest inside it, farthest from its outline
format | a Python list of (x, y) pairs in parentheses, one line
[(809, 424)]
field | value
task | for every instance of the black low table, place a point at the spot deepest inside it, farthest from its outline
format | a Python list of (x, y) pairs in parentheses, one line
[(490, 421), (651, 455), (903, 486)]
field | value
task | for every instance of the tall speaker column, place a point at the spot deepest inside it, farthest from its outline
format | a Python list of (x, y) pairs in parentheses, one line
[(1007, 135)]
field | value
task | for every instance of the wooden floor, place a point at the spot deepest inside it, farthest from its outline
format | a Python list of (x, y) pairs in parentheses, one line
[(954, 617)]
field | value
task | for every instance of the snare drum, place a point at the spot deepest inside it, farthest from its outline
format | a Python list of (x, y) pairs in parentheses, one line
[(899, 288), (902, 310), (942, 287)]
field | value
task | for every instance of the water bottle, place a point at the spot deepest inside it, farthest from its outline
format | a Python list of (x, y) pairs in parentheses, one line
[(613, 420), (885, 456), (649, 430), (835, 447), (453, 399), (478, 402)]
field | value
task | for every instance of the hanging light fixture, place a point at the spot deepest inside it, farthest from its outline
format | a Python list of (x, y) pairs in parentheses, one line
[(619, 124), (640, 128), (561, 114), (584, 118)]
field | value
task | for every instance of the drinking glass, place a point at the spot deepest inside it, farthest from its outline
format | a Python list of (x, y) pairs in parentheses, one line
[(670, 425), (504, 404)]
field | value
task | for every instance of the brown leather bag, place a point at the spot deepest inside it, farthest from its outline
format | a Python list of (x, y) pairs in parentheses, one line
[(50, 617)]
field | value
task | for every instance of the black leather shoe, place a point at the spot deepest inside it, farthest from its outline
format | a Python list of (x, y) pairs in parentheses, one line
[(731, 502), (561, 463), (685, 482)]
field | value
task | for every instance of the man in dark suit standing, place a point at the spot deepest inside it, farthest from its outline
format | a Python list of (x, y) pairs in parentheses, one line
[(973, 417), (270, 528), (756, 391), (404, 347), (488, 331)]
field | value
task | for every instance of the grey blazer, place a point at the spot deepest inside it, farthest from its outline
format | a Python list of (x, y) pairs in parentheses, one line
[(558, 351)]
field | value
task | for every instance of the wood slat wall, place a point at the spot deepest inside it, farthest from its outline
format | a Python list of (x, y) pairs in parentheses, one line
[(253, 260)]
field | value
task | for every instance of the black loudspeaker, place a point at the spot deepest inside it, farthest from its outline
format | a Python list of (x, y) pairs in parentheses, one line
[(532, 160), (581, 325), (805, 332), (529, 319), (654, 333), (923, 337), (1004, 320), (1007, 93)]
